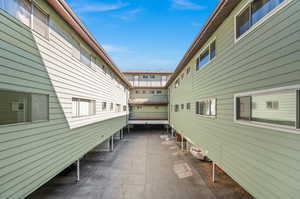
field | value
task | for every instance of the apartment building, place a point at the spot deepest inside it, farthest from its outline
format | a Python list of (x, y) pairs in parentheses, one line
[(148, 101), (235, 94), (60, 93)]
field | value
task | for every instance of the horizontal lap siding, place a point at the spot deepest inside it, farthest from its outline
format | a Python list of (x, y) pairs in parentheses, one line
[(31, 154), (265, 162)]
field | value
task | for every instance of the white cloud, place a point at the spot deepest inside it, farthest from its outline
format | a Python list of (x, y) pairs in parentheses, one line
[(115, 49), (186, 5), (98, 7), (196, 24), (130, 14)]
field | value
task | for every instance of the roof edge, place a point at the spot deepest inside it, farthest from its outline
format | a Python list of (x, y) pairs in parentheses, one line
[(64, 10), (219, 15)]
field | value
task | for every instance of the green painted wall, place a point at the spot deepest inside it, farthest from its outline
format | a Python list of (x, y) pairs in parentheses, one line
[(33, 153), (149, 112), (265, 162)]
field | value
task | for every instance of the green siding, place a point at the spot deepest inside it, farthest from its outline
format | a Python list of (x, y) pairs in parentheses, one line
[(149, 112), (33, 153), (265, 162)]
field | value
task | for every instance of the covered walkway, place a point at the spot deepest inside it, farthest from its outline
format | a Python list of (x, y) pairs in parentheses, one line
[(143, 166)]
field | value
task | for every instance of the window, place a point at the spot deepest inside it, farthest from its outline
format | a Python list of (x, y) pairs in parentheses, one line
[(182, 76), (188, 106), (253, 13), (273, 105), (83, 107), (176, 108), (152, 92), (145, 76), (111, 106), (137, 92), (40, 22), (206, 56), (206, 107), (158, 92), (23, 10), (188, 70), (85, 57), (144, 92), (278, 107), (212, 50), (118, 108), (104, 105), (19, 107), (139, 108), (124, 108), (152, 76), (177, 83), (20, 9), (182, 106)]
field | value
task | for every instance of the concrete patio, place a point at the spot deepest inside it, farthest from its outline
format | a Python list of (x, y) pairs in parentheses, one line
[(143, 166)]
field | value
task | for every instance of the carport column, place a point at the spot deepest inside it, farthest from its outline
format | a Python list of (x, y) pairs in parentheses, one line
[(167, 129), (213, 171), (122, 133), (78, 170), (181, 142), (186, 145), (128, 128), (172, 131), (112, 143)]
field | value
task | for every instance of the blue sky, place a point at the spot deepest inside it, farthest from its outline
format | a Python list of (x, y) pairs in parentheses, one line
[(144, 34)]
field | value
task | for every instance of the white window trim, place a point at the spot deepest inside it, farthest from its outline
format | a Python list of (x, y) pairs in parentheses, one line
[(207, 116), (207, 46), (275, 127), (90, 101), (260, 22)]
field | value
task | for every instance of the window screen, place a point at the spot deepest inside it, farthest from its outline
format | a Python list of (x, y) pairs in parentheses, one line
[(40, 22), (103, 106), (85, 57), (39, 107), (244, 108), (212, 50), (20, 9)]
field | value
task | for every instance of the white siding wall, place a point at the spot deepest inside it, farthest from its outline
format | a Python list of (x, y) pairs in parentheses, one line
[(71, 78)]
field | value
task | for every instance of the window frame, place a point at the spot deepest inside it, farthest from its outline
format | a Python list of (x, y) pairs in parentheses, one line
[(205, 100), (276, 127), (206, 48), (188, 106), (259, 22), (91, 102), (104, 106), (30, 95)]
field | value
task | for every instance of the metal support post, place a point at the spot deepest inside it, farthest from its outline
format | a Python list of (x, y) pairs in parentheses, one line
[(213, 172), (112, 143), (78, 170)]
